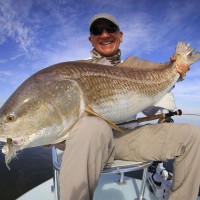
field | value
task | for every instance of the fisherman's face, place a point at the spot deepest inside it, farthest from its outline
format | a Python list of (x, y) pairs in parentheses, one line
[(105, 42)]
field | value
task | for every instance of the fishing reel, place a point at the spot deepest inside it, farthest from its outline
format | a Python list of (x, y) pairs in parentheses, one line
[(159, 178), (167, 117)]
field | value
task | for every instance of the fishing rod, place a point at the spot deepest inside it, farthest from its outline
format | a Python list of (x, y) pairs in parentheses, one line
[(153, 117), (191, 114)]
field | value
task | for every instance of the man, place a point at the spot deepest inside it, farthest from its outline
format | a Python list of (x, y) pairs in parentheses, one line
[(91, 144)]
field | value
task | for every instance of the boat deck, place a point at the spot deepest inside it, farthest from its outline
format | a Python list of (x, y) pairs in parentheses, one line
[(108, 188)]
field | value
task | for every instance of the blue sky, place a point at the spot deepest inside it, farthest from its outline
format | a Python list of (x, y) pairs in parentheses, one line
[(37, 33)]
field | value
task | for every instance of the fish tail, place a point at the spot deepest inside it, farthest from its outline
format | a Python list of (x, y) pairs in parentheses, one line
[(185, 54)]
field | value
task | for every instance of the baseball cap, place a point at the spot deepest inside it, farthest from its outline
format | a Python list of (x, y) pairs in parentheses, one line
[(107, 16)]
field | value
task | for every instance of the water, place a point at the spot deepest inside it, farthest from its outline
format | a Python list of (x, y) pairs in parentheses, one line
[(30, 168)]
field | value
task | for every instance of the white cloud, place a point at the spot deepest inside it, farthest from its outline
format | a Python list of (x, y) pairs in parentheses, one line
[(147, 32), (16, 56), (5, 73), (14, 28), (137, 34), (2, 61), (190, 88)]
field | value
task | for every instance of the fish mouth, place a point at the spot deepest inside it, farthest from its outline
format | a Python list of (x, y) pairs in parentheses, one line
[(12, 143)]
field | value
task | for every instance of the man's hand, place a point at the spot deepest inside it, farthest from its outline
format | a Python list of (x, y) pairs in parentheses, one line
[(181, 68)]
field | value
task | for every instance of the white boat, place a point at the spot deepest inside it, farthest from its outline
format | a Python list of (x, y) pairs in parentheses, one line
[(113, 185), (108, 189)]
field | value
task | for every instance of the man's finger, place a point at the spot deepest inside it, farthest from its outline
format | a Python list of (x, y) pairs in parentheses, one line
[(172, 59)]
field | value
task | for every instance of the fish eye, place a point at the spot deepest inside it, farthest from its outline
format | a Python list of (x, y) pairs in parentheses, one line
[(10, 118)]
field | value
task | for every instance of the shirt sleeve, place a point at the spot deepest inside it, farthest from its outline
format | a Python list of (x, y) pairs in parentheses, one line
[(166, 103)]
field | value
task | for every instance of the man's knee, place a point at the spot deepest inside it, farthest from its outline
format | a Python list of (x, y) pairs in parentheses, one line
[(192, 131)]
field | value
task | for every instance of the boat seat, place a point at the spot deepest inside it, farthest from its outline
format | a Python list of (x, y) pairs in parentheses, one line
[(118, 166)]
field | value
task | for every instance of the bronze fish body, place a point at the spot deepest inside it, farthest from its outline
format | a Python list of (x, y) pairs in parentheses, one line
[(45, 107)]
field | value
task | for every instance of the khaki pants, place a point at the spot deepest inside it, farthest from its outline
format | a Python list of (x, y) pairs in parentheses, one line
[(91, 145)]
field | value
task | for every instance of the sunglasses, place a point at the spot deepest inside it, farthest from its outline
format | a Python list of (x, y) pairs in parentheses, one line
[(99, 30)]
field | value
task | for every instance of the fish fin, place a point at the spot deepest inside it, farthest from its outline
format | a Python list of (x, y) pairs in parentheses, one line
[(138, 63), (183, 53), (186, 54), (89, 110)]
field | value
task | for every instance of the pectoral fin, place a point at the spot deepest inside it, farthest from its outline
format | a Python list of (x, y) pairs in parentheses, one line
[(89, 110)]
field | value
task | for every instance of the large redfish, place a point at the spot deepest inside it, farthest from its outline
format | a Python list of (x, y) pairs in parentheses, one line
[(46, 106)]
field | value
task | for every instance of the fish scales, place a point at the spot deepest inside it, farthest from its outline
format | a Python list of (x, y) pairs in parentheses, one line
[(92, 77), (107, 84), (49, 103)]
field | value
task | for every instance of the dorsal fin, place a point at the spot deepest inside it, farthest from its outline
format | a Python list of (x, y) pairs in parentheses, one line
[(138, 63), (89, 110)]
